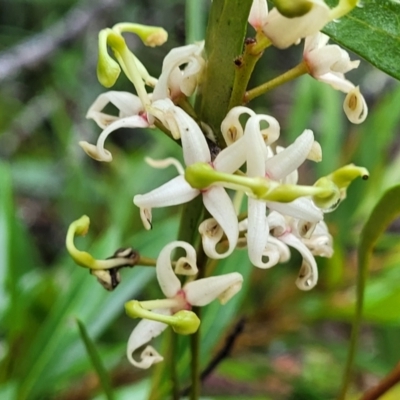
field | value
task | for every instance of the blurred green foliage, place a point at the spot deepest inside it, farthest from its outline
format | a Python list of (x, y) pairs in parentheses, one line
[(293, 344)]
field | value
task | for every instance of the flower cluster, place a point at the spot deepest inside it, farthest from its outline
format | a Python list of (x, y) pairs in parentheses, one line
[(279, 213)]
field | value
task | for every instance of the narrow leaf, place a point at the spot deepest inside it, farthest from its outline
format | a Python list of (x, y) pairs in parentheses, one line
[(96, 361), (385, 211)]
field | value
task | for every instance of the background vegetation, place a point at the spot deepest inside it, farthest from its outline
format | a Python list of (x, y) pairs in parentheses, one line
[(284, 343)]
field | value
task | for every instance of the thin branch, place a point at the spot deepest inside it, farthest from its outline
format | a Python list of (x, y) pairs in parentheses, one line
[(39, 47), (222, 354), (384, 385)]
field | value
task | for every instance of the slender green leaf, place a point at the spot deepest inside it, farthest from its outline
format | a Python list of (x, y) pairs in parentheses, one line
[(6, 214), (385, 211), (371, 30), (96, 361)]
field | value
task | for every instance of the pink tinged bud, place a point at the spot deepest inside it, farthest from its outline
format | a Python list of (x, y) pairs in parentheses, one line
[(283, 31), (258, 14)]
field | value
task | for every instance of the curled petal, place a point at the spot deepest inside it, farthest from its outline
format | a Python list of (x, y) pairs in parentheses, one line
[(184, 267), (257, 232), (308, 275), (276, 252), (355, 106), (277, 245), (93, 152), (301, 208), (320, 243), (203, 291), (283, 163), (127, 103), (173, 80), (163, 110), (143, 333), (168, 281), (231, 127), (211, 234), (258, 14), (305, 228), (277, 224), (220, 206), (98, 152)]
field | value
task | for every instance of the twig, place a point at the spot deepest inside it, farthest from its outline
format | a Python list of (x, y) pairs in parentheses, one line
[(38, 48), (222, 354), (384, 385)]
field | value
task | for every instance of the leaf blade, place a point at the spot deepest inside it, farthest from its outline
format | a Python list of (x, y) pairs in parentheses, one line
[(372, 31), (96, 361)]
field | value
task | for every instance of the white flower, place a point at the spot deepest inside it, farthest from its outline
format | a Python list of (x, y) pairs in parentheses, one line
[(174, 81), (134, 111), (194, 293), (308, 239), (283, 31), (329, 63), (131, 115), (178, 190), (281, 167)]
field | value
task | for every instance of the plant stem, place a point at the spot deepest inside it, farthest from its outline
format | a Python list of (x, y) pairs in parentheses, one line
[(195, 361), (224, 43), (195, 339), (244, 68), (173, 365), (293, 73), (384, 385)]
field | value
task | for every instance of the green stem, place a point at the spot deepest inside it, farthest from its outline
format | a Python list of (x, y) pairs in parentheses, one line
[(195, 361), (224, 43), (244, 68), (173, 363), (195, 339), (293, 73)]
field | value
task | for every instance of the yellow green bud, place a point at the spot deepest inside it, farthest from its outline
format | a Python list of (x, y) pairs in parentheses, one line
[(330, 197), (293, 8), (185, 322), (200, 175), (150, 35), (108, 69), (342, 177)]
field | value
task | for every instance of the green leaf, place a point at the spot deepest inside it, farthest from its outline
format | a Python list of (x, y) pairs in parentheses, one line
[(96, 361), (6, 218), (385, 211), (371, 30)]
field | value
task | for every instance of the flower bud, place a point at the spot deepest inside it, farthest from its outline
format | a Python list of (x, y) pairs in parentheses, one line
[(185, 322), (293, 8), (108, 69), (200, 175)]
